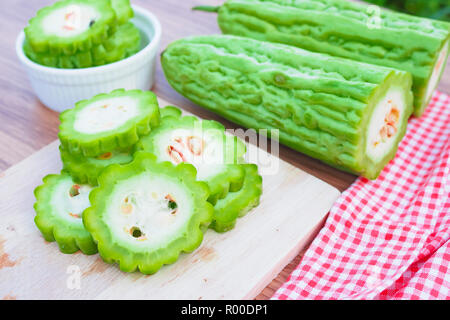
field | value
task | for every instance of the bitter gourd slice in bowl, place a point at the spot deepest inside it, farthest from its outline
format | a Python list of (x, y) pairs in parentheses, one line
[(69, 26), (87, 169), (59, 205), (123, 10), (202, 143), (122, 44), (145, 213), (108, 122), (125, 42), (237, 204), (350, 30), (346, 113)]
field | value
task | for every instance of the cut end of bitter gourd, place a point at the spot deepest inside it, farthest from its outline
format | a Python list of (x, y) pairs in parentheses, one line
[(436, 74), (144, 214), (203, 144), (108, 122), (70, 26), (59, 205), (87, 169), (387, 123), (237, 204)]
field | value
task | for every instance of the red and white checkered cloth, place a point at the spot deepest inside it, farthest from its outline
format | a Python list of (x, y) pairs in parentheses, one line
[(388, 238)]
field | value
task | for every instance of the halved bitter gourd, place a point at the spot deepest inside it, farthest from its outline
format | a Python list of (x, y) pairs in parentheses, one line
[(123, 43), (70, 26), (87, 169), (386, 38), (59, 205), (346, 113), (202, 143), (108, 122), (239, 203), (145, 213)]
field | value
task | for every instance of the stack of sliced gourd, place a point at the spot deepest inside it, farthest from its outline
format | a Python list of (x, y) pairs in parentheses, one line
[(82, 33), (141, 184)]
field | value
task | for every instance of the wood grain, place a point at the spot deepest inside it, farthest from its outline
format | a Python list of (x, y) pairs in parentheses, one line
[(26, 125)]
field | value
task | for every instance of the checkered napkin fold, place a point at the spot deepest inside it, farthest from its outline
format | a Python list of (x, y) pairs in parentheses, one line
[(388, 238)]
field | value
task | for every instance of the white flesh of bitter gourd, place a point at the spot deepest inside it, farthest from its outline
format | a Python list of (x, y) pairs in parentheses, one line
[(384, 125), (96, 118)]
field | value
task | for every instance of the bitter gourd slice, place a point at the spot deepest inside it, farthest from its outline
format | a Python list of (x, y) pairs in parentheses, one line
[(346, 113), (145, 213), (87, 169), (350, 30), (170, 111), (122, 44), (70, 26), (59, 205), (239, 203), (202, 143), (125, 42), (123, 10), (108, 122)]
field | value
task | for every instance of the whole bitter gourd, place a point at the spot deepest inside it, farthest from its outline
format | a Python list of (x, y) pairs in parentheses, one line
[(349, 114), (349, 30)]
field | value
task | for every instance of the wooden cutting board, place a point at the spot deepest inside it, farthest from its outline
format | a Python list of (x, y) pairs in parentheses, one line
[(234, 265)]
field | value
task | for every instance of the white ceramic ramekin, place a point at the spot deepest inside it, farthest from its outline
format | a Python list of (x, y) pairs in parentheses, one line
[(60, 89)]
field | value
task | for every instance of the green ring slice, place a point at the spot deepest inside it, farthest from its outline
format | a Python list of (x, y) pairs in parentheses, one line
[(144, 214), (202, 143), (59, 205), (108, 122), (87, 169), (121, 44), (70, 26), (239, 203), (123, 10)]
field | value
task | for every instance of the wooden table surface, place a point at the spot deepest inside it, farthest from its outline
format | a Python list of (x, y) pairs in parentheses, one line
[(26, 125)]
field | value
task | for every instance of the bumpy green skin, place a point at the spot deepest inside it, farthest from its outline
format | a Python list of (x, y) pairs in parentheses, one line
[(70, 237), (229, 180), (146, 261), (239, 203), (123, 10), (320, 104), (345, 29), (86, 170), (92, 145), (123, 43), (40, 42)]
